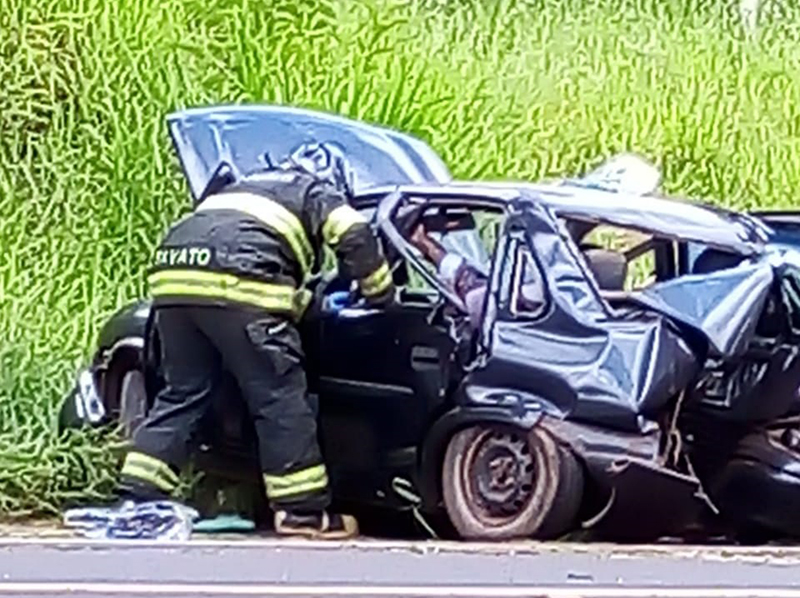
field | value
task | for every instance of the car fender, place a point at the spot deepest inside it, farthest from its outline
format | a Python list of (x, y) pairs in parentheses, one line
[(121, 344), (596, 447), (126, 328)]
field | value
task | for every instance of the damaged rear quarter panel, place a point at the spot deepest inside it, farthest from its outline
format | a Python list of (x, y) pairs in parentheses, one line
[(724, 306), (761, 383), (583, 360)]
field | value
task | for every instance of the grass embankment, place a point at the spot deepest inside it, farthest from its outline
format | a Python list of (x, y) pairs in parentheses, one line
[(500, 89)]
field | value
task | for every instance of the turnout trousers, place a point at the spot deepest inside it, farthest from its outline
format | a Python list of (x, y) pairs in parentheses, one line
[(263, 352)]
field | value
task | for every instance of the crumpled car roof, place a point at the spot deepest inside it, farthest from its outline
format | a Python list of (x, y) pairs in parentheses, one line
[(669, 217), (666, 217)]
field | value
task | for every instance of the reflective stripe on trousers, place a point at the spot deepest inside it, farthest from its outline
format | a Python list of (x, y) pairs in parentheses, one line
[(150, 470), (300, 482)]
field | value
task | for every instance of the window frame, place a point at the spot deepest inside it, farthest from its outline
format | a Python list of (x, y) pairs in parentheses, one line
[(522, 252)]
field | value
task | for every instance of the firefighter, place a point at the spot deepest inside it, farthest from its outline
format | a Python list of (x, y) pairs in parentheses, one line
[(227, 287)]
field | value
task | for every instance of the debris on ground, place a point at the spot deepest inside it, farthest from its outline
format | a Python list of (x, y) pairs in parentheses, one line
[(156, 520), (224, 523)]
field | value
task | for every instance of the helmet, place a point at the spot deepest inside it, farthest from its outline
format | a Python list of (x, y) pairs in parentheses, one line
[(325, 161)]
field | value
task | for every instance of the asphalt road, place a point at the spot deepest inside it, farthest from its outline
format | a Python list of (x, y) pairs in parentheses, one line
[(64, 567)]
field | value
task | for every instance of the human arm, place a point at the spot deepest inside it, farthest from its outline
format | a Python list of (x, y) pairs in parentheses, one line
[(453, 269), (345, 230)]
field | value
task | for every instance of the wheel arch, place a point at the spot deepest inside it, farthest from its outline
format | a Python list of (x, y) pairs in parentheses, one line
[(126, 327), (124, 356), (121, 346)]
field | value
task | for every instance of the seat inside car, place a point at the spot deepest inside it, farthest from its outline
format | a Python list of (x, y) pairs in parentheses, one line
[(712, 259), (610, 268)]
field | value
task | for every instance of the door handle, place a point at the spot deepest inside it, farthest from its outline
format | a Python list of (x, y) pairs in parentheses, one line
[(424, 357)]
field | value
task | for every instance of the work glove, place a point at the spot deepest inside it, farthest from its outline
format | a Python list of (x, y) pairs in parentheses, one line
[(335, 302)]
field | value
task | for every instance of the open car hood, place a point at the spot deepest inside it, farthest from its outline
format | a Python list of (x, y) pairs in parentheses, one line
[(239, 136)]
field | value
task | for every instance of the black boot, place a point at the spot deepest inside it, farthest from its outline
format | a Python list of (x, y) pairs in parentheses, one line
[(317, 525)]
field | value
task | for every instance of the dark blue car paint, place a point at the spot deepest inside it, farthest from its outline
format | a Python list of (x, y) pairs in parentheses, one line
[(595, 371), (241, 135), (130, 322), (588, 364)]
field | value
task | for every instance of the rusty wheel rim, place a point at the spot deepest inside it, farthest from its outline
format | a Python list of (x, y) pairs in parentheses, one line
[(501, 475)]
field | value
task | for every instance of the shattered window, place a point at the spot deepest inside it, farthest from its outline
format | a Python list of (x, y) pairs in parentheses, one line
[(528, 293), (463, 231)]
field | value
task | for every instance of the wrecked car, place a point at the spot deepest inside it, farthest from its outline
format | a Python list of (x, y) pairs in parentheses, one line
[(633, 372)]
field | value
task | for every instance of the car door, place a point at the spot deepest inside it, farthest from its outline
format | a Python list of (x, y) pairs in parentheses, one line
[(380, 375), (383, 376)]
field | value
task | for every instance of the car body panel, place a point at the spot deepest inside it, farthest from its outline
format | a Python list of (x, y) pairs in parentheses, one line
[(785, 225), (383, 378), (589, 364), (723, 305), (126, 327), (240, 135)]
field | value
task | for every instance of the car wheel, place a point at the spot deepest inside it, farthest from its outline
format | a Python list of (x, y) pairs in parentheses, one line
[(68, 417), (132, 402), (503, 483)]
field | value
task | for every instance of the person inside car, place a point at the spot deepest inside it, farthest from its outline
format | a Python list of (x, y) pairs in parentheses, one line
[(460, 277), (609, 269)]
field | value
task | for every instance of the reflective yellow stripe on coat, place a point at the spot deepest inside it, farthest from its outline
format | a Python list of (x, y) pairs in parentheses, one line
[(339, 221), (273, 215), (304, 481), (150, 470), (377, 282), (228, 287)]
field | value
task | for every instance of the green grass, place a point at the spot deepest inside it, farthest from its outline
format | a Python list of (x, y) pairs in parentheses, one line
[(501, 89)]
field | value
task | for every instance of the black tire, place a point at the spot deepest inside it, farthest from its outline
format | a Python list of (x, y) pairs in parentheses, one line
[(503, 483), (68, 417), (569, 496), (132, 402)]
